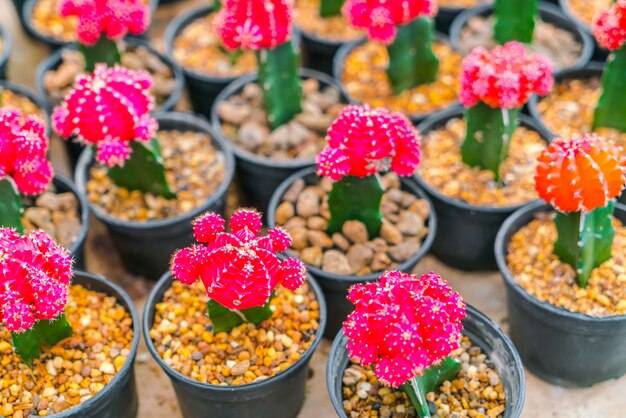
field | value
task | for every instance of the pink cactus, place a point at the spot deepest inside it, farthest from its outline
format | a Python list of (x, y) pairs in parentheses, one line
[(380, 17), (504, 77), (108, 109), (363, 141), (403, 324), (111, 18), (609, 27), (254, 24), (34, 277), (240, 270), (23, 148)]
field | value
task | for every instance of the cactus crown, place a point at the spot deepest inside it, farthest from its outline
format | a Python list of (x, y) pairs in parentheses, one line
[(108, 109), (23, 148), (254, 24), (34, 274), (380, 17), (363, 141), (112, 18), (581, 174), (240, 270), (609, 27), (403, 324), (504, 77)]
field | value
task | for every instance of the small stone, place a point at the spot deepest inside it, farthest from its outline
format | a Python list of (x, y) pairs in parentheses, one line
[(351, 376), (196, 356), (235, 114), (335, 262), (355, 231), (317, 223), (319, 239), (298, 238), (404, 250), (251, 135), (40, 218), (340, 241), (292, 194), (380, 261), (390, 233), (359, 256), (284, 212), (312, 256), (240, 368), (308, 203), (410, 223), (107, 368)]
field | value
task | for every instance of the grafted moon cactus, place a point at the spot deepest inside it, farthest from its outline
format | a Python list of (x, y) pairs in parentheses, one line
[(110, 110), (406, 27), (240, 270), (495, 85), (34, 277), (24, 167), (407, 327), (362, 142), (101, 23), (610, 31), (580, 178), (264, 26)]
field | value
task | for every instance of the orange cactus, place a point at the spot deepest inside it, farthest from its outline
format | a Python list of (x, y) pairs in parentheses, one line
[(582, 174)]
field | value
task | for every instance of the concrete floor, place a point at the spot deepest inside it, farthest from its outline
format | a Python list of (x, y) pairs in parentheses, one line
[(483, 290)]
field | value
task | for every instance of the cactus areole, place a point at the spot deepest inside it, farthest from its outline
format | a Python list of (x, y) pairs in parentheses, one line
[(240, 270), (580, 178), (24, 167), (361, 143), (265, 26), (610, 31), (35, 274), (494, 86), (110, 110), (101, 23), (406, 327), (406, 28)]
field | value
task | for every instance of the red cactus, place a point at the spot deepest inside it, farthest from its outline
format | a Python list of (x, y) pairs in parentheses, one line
[(254, 24), (380, 17), (108, 109), (23, 148), (403, 324), (113, 18), (504, 77), (582, 174), (240, 270), (609, 27), (363, 141), (34, 277)]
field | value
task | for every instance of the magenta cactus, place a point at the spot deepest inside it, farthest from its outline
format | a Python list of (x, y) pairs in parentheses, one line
[(239, 270), (34, 277)]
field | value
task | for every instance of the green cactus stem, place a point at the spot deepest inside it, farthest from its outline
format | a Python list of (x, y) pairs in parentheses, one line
[(585, 239), (515, 20), (11, 210), (279, 79), (144, 170), (329, 8), (610, 111), (224, 319), (45, 333), (412, 61), (488, 136), (104, 51), (355, 198), (433, 377)]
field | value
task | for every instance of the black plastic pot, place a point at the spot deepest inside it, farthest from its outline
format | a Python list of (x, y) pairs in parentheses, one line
[(54, 43), (338, 67), (335, 286), (481, 330), (563, 347), (54, 61), (260, 176), (466, 233), (599, 54), (280, 396), (119, 398), (548, 12), (319, 53), (7, 44), (445, 17), (146, 247), (18, 5), (23, 91)]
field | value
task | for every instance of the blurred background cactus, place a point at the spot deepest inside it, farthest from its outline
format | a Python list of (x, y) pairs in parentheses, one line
[(515, 20)]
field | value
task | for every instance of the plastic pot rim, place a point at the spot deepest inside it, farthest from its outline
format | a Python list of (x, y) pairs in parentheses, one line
[(84, 211), (516, 409), (429, 124), (544, 8), (7, 41), (500, 249), (132, 310), (23, 91), (238, 84), (567, 10), (426, 243), (167, 279), (84, 161), (330, 42), (56, 58)]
